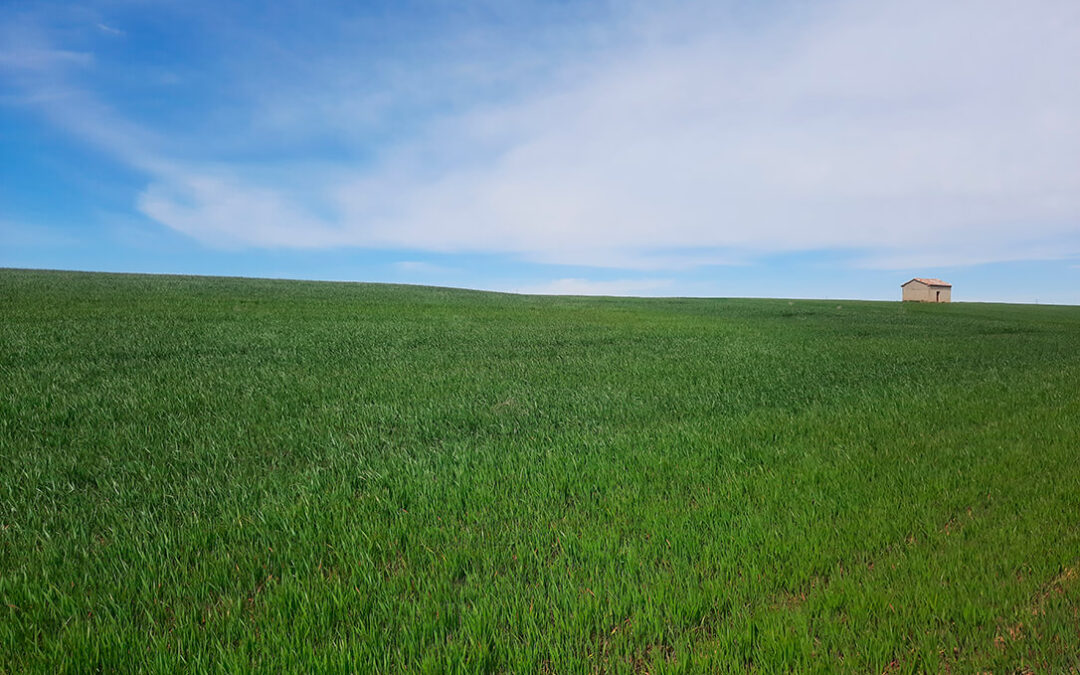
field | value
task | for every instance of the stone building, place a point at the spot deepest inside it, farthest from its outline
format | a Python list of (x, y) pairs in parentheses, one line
[(927, 290)]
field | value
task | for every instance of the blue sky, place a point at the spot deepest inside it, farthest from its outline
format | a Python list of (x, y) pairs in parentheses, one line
[(791, 149)]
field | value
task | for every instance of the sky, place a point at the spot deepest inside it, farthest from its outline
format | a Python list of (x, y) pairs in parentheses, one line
[(780, 148)]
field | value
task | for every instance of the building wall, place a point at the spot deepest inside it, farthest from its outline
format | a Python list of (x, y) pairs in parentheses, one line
[(917, 291)]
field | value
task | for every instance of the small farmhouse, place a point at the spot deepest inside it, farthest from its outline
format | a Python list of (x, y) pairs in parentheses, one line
[(927, 290)]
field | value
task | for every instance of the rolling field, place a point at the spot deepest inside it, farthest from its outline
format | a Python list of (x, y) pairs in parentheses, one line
[(223, 475)]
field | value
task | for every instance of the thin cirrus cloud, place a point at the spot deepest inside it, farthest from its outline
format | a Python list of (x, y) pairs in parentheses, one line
[(905, 133), (421, 267), (618, 287)]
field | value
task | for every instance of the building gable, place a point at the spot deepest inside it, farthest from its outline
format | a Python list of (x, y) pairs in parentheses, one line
[(932, 283)]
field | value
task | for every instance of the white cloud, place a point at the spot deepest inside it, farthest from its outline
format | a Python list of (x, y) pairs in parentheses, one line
[(23, 54), (420, 267), (916, 132), (105, 28), (974, 253), (36, 59), (932, 123), (621, 287)]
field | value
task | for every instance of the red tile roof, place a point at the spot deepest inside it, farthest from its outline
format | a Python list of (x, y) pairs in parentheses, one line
[(928, 282)]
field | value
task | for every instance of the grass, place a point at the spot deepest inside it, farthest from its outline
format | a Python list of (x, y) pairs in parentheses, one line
[(222, 475)]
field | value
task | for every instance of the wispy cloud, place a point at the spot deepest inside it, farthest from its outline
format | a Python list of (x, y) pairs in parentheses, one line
[(975, 252), (105, 28), (14, 236), (421, 267), (28, 58), (906, 130), (25, 54), (618, 287)]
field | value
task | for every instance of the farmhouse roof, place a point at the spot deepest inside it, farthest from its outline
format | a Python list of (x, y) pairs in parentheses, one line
[(928, 282)]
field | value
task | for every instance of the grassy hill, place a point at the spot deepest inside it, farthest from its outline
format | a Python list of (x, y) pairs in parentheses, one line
[(202, 475)]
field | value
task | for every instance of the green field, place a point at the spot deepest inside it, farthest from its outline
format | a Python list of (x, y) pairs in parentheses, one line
[(222, 475)]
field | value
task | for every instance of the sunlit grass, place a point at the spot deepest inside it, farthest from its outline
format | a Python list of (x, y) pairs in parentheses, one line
[(220, 475)]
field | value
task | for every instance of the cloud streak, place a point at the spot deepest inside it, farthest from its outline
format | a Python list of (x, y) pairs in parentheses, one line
[(615, 287), (105, 28)]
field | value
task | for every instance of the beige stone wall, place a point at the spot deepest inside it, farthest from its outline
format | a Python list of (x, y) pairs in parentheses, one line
[(917, 291)]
